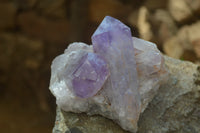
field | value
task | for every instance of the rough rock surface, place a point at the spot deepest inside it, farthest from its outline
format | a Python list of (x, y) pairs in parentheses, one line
[(175, 108)]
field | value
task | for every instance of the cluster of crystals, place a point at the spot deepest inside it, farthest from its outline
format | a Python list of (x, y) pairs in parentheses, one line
[(116, 77)]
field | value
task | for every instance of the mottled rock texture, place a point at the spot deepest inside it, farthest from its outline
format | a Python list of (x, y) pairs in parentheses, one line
[(175, 108)]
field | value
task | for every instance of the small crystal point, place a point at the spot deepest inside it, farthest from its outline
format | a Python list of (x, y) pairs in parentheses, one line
[(90, 75)]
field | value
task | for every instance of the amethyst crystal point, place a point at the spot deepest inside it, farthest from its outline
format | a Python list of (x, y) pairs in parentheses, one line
[(113, 41), (90, 75)]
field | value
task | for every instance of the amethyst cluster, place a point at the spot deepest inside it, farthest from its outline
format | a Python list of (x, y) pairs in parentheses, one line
[(116, 77)]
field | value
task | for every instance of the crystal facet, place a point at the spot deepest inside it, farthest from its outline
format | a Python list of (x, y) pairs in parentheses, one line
[(90, 75)]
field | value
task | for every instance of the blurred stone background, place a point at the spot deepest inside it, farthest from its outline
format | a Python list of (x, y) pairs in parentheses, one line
[(33, 32)]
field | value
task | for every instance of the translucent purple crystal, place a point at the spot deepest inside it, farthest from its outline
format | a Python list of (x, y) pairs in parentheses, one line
[(113, 41), (90, 75)]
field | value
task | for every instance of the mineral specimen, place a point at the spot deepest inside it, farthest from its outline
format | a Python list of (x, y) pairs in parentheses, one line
[(116, 77)]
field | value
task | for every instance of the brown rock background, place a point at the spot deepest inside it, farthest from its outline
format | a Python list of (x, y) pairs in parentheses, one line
[(33, 32)]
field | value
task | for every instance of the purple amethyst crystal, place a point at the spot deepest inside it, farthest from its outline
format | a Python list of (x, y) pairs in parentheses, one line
[(113, 41), (90, 75)]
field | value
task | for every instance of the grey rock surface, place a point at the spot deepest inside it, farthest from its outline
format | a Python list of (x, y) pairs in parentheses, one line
[(175, 108)]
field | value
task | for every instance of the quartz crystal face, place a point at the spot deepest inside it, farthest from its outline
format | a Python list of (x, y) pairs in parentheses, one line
[(116, 77), (90, 75)]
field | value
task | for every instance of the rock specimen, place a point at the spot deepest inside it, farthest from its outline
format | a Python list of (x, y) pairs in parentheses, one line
[(174, 109), (116, 77)]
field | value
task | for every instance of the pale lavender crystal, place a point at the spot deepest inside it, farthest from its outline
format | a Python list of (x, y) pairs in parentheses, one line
[(113, 41), (150, 67), (148, 57), (90, 75)]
